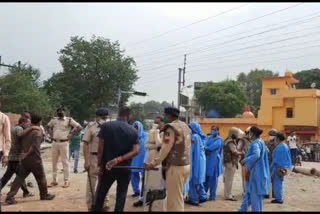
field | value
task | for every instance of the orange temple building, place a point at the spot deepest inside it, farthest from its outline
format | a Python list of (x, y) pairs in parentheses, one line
[(282, 107)]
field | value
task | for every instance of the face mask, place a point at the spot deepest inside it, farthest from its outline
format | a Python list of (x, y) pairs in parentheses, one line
[(213, 133), (271, 138)]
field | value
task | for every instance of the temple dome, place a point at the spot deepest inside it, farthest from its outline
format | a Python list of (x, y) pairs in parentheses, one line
[(247, 113)]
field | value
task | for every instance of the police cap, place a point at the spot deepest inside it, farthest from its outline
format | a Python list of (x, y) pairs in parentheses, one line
[(172, 111), (273, 132), (102, 112)]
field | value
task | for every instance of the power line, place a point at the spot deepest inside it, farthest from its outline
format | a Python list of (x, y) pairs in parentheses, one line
[(290, 50), (186, 26), (244, 32), (254, 46), (232, 26), (192, 71), (235, 40)]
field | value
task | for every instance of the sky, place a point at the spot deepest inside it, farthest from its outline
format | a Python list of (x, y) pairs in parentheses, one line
[(220, 40)]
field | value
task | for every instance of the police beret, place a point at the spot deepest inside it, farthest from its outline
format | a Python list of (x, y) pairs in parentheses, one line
[(172, 111), (102, 112), (255, 130), (273, 132)]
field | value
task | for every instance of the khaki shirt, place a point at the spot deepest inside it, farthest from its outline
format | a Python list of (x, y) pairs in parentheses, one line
[(62, 127), (90, 136), (5, 134), (168, 141)]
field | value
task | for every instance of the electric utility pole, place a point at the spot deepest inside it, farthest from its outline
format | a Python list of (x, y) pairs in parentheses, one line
[(179, 86), (184, 69)]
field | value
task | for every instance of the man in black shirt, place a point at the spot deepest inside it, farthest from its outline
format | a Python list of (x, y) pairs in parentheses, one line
[(117, 146)]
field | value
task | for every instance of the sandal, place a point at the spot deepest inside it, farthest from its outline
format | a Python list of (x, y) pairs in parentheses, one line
[(53, 183), (66, 184)]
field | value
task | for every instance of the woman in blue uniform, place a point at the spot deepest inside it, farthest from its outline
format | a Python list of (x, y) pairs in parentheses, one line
[(139, 159), (198, 166), (281, 162), (214, 167)]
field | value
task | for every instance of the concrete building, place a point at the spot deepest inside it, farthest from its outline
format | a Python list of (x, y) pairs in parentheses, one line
[(282, 107)]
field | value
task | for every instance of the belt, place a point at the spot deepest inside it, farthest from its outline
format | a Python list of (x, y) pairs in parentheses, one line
[(60, 141), (94, 153)]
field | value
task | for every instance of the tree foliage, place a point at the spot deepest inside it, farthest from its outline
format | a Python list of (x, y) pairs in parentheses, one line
[(92, 73), (227, 97), (251, 83), (20, 92), (307, 77)]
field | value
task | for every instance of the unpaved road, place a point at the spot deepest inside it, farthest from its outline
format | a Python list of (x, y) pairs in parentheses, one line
[(301, 193)]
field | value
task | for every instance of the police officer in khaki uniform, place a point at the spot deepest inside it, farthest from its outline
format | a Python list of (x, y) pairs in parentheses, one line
[(271, 145), (231, 156), (175, 158), (61, 130), (243, 145), (90, 152)]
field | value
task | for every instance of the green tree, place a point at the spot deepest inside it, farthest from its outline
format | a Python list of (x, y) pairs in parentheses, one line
[(92, 73), (227, 97), (251, 83), (307, 77), (138, 112), (20, 92)]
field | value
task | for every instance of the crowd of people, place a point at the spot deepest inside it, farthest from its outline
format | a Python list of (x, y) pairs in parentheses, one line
[(174, 157)]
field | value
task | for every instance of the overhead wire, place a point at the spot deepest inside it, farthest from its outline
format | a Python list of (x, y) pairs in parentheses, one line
[(188, 25), (245, 32), (253, 46), (230, 27), (232, 66)]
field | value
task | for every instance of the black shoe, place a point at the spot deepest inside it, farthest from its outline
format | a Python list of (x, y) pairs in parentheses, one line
[(135, 194), (47, 197), (29, 194), (75, 171), (202, 201), (191, 203), (11, 201), (138, 204), (267, 196), (276, 202)]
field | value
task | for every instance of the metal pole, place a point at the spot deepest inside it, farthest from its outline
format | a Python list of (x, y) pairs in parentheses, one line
[(179, 87), (184, 69)]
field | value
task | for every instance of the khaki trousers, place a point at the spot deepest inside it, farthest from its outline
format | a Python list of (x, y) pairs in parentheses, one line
[(92, 175), (60, 150), (176, 177), (229, 171)]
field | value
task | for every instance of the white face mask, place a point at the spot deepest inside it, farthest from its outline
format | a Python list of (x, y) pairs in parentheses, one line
[(271, 138)]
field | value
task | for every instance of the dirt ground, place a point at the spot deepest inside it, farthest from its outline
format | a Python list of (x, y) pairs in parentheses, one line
[(301, 193)]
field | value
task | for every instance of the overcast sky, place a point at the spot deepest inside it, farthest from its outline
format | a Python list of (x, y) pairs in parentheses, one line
[(225, 39)]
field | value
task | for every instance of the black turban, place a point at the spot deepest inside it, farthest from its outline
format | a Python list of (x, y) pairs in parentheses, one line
[(256, 131), (172, 111), (102, 112)]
